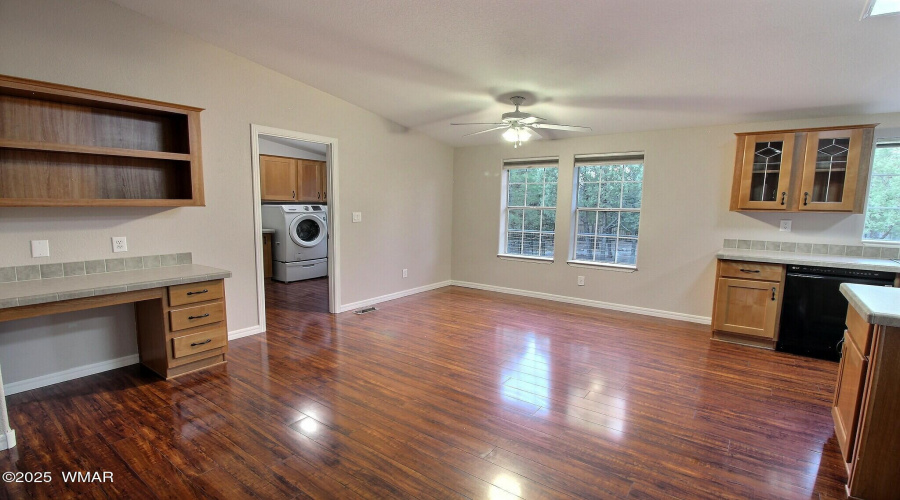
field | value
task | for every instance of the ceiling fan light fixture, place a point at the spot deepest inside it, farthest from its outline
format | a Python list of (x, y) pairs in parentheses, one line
[(517, 134)]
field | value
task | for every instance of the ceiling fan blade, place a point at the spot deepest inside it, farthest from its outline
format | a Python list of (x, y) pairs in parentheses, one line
[(535, 132), (488, 130), (553, 126), (478, 123), (531, 119)]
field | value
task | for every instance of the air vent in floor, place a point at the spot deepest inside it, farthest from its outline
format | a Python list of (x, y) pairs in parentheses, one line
[(365, 310)]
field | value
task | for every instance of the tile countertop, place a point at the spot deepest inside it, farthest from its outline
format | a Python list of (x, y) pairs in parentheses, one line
[(21, 293), (879, 305), (802, 259)]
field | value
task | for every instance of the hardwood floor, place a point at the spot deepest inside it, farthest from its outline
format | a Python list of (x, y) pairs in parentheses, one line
[(447, 394)]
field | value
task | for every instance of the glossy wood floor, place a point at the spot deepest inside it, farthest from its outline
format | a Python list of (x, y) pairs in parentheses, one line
[(447, 394)]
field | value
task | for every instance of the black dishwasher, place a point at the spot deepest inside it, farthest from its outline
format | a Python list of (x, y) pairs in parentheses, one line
[(813, 311)]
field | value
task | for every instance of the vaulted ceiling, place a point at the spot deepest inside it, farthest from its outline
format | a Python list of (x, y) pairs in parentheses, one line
[(613, 65)]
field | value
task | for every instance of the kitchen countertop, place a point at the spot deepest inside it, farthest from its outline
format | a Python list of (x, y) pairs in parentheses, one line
[(878, 305), (21, 293), (803, 259), (267, 231)]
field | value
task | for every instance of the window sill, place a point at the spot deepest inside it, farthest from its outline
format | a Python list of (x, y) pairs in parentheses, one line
[(527, 258), (880, 243), (597, 265)]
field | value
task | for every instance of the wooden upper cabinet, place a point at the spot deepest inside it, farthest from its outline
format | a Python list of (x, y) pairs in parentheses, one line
[(67, 146), (818, 170), (309, 189), (278, 178), (323, 181)]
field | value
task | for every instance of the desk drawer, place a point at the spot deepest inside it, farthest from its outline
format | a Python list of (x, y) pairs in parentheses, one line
[(196, 292), (189, 317), (750, 270), (859, 331), (198, 342)]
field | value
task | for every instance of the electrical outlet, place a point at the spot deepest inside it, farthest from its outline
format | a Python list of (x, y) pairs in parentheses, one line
[(406, 273), (40, 248), (785, 225), (119, 244), (357, 216), (581, 281)]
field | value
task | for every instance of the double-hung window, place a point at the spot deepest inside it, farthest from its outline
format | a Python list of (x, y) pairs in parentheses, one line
[(529, 207), (607, 208), (883, 208)]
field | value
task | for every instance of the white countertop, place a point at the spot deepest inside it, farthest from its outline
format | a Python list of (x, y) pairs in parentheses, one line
[(21, 293), (803, 259), (878, 305)]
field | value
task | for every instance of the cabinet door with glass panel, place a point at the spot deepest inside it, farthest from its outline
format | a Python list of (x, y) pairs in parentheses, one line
[(766, 171), (834, 170)]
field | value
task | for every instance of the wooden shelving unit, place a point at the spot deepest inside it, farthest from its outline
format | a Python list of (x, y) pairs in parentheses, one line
[(66, 146)]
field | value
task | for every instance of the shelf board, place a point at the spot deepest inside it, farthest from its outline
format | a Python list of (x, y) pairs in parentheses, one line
[(91, 150), (97, 202)]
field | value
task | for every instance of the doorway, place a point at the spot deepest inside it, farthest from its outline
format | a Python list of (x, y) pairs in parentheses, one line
[(295, 200)]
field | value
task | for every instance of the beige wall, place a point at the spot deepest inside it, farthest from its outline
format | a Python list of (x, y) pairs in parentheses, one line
[(684, 218), (400, 180)]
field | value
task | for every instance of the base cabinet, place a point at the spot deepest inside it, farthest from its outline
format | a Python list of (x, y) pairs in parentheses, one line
[(748, 302)]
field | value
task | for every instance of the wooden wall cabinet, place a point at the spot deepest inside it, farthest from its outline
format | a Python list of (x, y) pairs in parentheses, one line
[(866, 407), (809, 170), (748, 302), (292, 179), (66, 146)]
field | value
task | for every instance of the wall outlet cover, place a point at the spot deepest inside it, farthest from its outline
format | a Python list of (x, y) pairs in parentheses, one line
[(357, 216), (785, 225), (581, 281), (40, 248), (406, 273), (119, 244)]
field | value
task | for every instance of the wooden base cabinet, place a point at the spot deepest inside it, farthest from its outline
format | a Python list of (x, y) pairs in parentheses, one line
[(748, 302), (866, 408)]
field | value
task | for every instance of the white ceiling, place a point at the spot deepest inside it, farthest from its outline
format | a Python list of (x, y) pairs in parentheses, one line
[(612, 65)]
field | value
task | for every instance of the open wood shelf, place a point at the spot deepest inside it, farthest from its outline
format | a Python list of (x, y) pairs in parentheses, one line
[(65, 146)]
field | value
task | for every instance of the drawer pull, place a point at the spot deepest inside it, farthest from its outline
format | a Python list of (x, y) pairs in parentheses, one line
[(207, 341), (198, 317), (198, 293), (750, 271), (773, 293)]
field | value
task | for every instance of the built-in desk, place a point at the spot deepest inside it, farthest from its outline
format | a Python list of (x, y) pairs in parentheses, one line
[(179, 313)]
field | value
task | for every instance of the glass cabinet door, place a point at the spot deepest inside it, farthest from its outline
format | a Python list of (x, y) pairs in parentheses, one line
[(830, 170), (766, 171)]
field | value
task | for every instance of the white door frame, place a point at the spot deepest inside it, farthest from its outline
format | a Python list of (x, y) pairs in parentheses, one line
[(334, 255)]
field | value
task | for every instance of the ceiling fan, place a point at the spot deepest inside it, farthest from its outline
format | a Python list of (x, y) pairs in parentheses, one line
[(520, 126)]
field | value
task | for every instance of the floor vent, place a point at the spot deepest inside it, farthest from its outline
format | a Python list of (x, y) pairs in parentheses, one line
[(365, 310)]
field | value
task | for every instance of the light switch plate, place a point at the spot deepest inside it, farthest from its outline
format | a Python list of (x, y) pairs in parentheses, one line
[(119, 244), (785, 225), (40, 248), (406, 273), (357, 216), (581, 281)]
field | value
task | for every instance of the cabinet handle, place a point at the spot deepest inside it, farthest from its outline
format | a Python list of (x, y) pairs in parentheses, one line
[(319, 195), (783, 196), (750, 271), (207, 341), (773, 293), (293, 195), (198, 293), (806, 198), (198, 317)]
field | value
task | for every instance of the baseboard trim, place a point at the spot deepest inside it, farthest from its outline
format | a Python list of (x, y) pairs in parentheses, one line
[(391, 296), (657, 313), (245, 332), (8, 440), (70, 374)]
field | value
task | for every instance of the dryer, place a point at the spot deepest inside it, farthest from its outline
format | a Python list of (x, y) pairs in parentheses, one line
[(300, 240)]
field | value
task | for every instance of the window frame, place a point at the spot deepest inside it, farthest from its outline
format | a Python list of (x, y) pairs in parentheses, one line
[(524, 163), (624, 158), (891, 136)]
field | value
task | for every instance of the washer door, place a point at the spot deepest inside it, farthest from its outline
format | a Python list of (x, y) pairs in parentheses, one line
[(307, 230)]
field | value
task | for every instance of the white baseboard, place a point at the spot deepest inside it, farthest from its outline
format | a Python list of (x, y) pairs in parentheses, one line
[(245, 332), (391, 296), (705, 320), (70, 374), (7, 440)]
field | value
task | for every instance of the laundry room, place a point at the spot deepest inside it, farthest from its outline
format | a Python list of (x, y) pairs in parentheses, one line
[(294, 215)]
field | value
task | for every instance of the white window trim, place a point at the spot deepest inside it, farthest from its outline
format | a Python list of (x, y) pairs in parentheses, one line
[(887, 135), (516, 163), (573, 230)]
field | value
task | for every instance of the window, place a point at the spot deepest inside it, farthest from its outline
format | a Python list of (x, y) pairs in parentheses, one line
[(529, 218), (883, 208), (608, 208)]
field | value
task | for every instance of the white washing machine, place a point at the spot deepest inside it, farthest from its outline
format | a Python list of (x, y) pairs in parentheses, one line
[(300, 241)]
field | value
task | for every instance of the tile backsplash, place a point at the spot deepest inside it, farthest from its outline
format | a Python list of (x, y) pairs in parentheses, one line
[(66, 269), (869, 252)]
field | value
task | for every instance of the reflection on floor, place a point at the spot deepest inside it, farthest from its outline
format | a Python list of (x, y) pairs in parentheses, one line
[(448, 393)]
